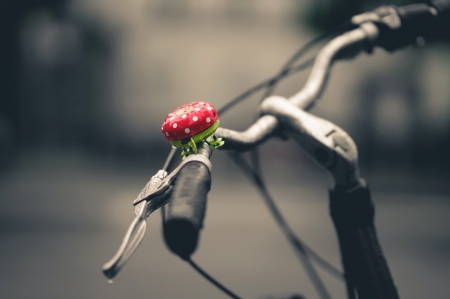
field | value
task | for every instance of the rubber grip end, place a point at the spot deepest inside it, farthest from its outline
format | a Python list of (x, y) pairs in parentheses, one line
[(181, 237)]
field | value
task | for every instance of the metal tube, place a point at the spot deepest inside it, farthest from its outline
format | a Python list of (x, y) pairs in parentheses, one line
[(319, 73), (256, 134)]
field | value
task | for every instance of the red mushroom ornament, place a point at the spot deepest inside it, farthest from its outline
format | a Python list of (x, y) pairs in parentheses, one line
[(191, 123)]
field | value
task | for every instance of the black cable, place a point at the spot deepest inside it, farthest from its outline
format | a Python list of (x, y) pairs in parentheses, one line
[(330, 33), (169, 158), (263, 84), (254, 156), (212, 280), (255, 172), (351, 291), (323, 263), (167, 163), (293, 239)]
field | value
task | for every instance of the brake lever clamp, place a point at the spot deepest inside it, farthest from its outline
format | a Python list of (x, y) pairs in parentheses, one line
[(326, 143), (153, 204), (159, 193)]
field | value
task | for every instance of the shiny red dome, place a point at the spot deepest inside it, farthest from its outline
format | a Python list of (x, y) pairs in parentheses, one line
[(188, 120)]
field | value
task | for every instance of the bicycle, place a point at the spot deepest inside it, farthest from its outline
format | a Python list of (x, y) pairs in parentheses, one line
[(366, 271)]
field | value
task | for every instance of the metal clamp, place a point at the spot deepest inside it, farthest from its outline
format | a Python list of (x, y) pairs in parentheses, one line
[(163, 189)]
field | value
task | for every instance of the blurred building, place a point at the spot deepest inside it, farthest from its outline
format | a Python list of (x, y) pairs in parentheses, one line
[(101, 76)]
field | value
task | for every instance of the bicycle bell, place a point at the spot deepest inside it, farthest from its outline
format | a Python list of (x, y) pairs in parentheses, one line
[(190, 124)]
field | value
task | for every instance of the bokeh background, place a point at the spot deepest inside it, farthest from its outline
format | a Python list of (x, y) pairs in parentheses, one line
[(84, 87)]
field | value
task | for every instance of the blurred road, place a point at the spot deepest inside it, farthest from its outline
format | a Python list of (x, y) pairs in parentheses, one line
[(62, 218)]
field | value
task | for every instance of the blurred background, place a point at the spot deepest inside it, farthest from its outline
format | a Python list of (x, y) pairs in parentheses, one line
[(84, 87)]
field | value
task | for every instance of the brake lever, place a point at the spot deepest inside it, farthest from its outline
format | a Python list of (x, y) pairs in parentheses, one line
[(137, 228), (156, 193)]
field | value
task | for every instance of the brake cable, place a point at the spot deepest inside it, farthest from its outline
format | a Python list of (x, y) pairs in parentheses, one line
[(255, 174)]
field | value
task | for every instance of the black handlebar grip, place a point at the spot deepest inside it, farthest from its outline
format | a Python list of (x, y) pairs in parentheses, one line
[(183, 216), (365, 265)]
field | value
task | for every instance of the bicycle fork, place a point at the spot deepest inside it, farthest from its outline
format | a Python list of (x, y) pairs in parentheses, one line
[(351, 207)]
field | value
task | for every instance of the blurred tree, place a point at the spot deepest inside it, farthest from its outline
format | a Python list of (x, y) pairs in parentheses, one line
[(12, 13), (50, 60)]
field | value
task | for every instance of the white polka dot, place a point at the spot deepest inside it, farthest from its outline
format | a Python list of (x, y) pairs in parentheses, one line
[(197, 109), (171, 118), (161, 128), (167, 134), (209, 108), (175, 125), (202, 103), (195, 118), (208, 119), (184, 115), (187, 130)]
